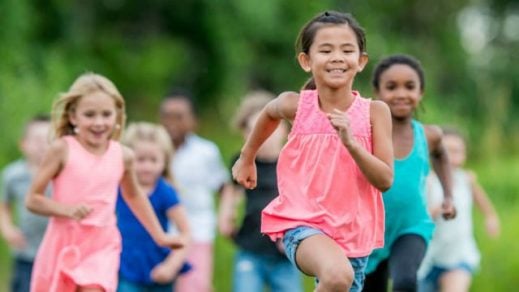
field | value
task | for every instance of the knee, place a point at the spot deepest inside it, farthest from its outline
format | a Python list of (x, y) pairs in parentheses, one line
[(337, 278), (407, 283)]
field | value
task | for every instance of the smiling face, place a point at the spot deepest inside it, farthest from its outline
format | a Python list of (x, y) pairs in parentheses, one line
[(150, 161), (400, 89), (334, 57), (94, 118)]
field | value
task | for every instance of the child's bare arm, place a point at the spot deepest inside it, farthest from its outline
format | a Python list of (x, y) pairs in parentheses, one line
[(485, 205), (50, 167), (168, 269), (231, 195), (377, 167), (9, 230), (282, 107), (441, 166), (141, 207)]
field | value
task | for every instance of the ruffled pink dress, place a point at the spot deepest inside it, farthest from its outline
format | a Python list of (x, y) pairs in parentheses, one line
[(82, 253), (321, 186)]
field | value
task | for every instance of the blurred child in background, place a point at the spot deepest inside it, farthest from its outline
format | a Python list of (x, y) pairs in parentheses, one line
[(259, 262), (199, 172), (399, 81), (81, 247), (146, 266), (452, 256), (22, 229)]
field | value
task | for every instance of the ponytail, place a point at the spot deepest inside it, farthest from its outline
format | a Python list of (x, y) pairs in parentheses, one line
[(309, 84)]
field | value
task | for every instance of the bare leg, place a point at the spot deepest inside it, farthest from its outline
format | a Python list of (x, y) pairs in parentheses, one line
[(320, 256), (455, 281)]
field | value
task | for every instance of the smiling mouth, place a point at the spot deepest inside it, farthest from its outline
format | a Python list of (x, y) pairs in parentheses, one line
[(336, 70)]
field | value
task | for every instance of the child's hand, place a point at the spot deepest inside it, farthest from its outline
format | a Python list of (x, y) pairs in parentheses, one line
[(493, 228), (172, 241), (15, 238), (245, 173), (78, 212), (448, 209), (162, 274), (341, 123)]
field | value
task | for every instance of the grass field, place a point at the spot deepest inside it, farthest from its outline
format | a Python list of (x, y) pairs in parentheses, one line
[(500, 262)]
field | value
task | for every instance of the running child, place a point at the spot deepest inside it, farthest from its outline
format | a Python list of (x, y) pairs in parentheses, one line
[(399, 82), (81, 247), (146, 266), (453, 257), (258, 262), (329, 212), (22, 229)]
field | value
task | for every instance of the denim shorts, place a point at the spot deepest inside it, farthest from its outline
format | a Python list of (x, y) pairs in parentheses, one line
[(293, 238), (431, 282)]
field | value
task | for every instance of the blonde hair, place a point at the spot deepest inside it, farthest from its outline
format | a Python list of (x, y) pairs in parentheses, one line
[(86, 84), (252, 103), (154, 133)]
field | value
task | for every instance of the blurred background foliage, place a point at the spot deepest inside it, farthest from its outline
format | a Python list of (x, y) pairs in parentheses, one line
[(219, 49)]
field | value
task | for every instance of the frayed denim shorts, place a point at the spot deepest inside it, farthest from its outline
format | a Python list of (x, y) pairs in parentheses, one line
[(293, 238)]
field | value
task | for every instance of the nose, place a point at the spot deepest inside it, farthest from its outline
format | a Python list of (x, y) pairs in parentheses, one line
[(98, 120), (337, 56)]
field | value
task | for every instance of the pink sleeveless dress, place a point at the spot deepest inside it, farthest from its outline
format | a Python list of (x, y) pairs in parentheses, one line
[(321, 186), (82, 253)]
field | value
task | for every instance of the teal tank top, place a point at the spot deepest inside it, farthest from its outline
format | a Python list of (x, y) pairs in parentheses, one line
[(405, 202)]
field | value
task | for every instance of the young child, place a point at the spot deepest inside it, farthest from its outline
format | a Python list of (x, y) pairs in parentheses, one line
[(338, 158), (81, 247), (399, 82), (259, 262), (23, 230), (199, 172), (146, 266), (452, 256)]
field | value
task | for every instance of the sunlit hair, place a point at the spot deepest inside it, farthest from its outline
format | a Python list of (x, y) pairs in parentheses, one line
[(88, 83), (252, 103), (153, 133)]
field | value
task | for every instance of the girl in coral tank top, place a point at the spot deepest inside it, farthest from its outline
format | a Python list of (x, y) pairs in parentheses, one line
[(81, 247), (338, 158)]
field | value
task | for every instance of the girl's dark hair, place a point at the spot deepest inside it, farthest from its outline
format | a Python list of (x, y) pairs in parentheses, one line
[(307, 34), (386, 63)]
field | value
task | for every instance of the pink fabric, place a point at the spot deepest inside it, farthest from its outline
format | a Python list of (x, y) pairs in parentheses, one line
[(321, 186), (200, 278), (82, 253)]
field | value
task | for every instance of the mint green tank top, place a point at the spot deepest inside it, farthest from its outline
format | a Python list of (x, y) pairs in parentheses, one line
[(405, 202)]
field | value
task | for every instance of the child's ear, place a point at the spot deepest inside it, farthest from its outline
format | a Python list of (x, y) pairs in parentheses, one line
[(363, 60), (304, 62)]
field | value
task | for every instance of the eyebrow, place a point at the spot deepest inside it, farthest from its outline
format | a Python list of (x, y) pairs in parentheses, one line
[(341, 45)]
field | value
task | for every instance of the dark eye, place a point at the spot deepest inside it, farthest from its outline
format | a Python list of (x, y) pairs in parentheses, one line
[(107, 114), (390, 86), (325, 51), (410, 86)]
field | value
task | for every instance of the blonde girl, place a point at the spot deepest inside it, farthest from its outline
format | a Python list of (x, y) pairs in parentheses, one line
[(146, 266), (85, 163)]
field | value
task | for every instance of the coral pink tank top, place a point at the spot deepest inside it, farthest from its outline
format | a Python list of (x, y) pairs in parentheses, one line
[(90, 179), (320, 184)]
